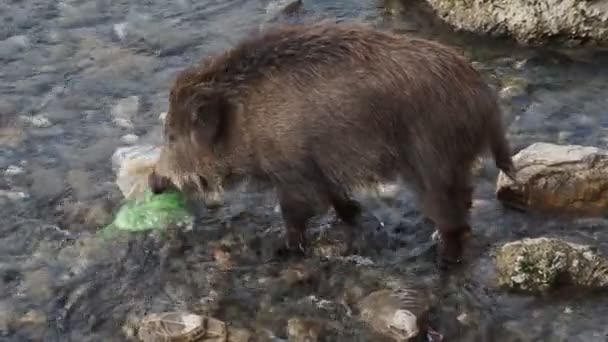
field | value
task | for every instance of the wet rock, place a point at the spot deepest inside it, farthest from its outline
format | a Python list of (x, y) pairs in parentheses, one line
[(393, 7), (566, 178), (184, 326), (530, 22), (292, 7), (223, 257), (38, 121), (542, 264), (303, 330), (513, 87), (125, 111), (162, 116), (129, 139), (120, 30), (14, 170), (330, 247), (36, 323), (399, 314), (132, 165), (13, 195), (297, 274), (276, 9)]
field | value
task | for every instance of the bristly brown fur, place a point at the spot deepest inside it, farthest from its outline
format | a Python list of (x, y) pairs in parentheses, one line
[(319, 110)]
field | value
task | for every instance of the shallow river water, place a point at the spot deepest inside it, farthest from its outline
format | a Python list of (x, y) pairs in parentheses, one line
[(79, 78)]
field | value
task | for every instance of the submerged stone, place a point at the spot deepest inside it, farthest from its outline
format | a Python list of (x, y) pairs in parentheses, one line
[(541, 264)]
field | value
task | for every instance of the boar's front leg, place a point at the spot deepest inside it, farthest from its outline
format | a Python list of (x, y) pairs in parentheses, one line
[(448, 206), (296, 209)]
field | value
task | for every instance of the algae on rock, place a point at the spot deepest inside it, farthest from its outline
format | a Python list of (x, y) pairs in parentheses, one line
[(531, 22), (541, 264)]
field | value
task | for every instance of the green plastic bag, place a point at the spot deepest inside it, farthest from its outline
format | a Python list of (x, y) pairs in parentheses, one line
[(152, 212)]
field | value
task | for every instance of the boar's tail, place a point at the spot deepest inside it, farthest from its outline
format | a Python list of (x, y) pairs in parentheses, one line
[(499, 146)]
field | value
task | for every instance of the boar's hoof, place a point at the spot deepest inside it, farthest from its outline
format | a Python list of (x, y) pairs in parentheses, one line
[(451, 247)]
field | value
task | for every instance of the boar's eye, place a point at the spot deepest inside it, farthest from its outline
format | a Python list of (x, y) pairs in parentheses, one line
[(170, 138), (203, 182)]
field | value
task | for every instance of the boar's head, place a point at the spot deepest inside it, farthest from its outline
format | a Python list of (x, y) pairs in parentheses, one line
[(196, 133)]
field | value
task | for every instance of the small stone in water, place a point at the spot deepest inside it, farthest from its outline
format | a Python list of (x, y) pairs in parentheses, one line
[(38, 121), (129, 138), (302, 330), (223, 257), (32, 317), (162, 116), (126, 108), (124, 123), (120, 30), (13, 195), (13, 170)]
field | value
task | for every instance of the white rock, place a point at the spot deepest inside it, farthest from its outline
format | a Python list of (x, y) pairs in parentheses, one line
[(132, 165), (163, 116), (13, 170), (125, 123), (126, 108), (120, 30), (13, 195), (38, 121), (129, 139)]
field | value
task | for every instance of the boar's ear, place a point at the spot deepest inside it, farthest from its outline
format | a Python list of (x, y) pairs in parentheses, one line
[(212, 118)]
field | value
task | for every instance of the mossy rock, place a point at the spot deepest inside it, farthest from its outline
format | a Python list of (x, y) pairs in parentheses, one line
[(542, 264)]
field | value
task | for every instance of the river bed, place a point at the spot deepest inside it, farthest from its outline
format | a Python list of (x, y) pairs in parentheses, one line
[(79, 78)]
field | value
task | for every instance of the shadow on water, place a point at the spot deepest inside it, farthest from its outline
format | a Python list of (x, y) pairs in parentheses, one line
[(80, 78)]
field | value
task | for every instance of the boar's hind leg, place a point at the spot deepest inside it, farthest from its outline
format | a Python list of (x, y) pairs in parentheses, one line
[(296, 210), (347, 209), (448, 205)]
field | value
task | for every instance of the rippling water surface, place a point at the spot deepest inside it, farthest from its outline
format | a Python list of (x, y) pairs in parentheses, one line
[(80, 78)]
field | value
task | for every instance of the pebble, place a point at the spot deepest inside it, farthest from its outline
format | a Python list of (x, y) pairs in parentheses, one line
[(14, 170), (394, 314), (163, 116), (32, 317), (126, 108), (124, 123), (297, 274), (129, 139), (303, 330), (120, 30), (13, 195), (38, 121), (223, 257)]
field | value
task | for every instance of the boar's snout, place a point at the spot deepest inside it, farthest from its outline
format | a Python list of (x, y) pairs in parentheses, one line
[(158, 184), (213, 198)]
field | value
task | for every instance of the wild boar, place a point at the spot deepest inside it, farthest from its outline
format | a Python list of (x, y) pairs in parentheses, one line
[(319, 110)]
